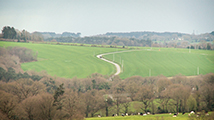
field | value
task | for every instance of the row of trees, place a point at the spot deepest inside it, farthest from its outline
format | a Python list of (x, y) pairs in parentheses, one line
[(168, 36), (115, 41), (12, 33), (11, 74), (208, 47), (58, 98)]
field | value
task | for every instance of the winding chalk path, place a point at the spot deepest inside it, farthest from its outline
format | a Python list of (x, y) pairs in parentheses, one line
[(115, 64)]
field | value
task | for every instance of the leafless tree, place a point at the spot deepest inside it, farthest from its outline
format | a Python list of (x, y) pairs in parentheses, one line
[(8, 103), (145, 95)]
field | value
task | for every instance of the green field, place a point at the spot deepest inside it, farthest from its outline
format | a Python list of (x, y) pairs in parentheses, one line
[(167, 61), (138, 117), (70, 61), (66, 61), (152, 117)]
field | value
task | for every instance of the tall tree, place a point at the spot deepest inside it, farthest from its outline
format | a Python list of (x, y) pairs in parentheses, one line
[(93, 101), (28, 109), (46, 108), (8, 103), (208, 95), (145, 95), (179, 94), (58, 96), (73, 106), (108, 102), (8, 32)]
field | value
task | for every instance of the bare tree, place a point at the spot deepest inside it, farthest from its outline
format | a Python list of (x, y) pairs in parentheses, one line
[(208, 95), (93, 102), (28, 108), (164, 99), (162, 84), (145, 95), (24, 88), (45, 106), (132, 89), (126, 104), (118, 95), (8, 103), (73, 106), (108, 102), (179, 94)]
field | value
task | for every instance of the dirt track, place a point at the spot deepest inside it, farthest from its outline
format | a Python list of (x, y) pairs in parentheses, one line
[(115, 64)]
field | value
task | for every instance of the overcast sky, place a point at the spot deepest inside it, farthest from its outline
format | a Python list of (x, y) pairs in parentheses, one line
[(91, 17)]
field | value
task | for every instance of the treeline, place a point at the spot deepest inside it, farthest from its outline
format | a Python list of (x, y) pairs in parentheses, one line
[(64, 34), (103, 41), (11, 74), (164, 36), (12, 33), (143, 34), (203, 45), (59, 98)]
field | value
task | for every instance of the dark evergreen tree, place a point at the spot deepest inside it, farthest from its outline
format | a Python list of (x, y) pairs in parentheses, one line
[(10, 74), (58, 96), (208, 46), (9, 33), (2, 73)]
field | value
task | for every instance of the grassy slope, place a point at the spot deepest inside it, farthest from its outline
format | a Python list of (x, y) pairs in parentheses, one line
[(70, 61), (167, 61), (66, 61)]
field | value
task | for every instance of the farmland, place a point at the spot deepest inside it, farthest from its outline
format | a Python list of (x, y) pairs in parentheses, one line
[(70, 61), (66, 61), (166, 61)]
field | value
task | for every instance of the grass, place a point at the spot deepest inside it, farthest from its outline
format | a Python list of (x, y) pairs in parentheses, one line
[(166, 116), (80, 61), (167, 62), (66, 61), (148, 117)]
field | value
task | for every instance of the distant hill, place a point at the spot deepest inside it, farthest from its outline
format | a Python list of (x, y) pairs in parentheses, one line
[(145, 33), (162, 36), (64, 34)]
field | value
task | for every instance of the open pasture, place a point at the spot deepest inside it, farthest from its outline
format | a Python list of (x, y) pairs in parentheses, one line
[(66, 61), (165, 116), (148, 117), (166, 61)]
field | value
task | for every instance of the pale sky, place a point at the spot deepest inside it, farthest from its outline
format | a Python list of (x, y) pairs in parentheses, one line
[(91, 17)]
